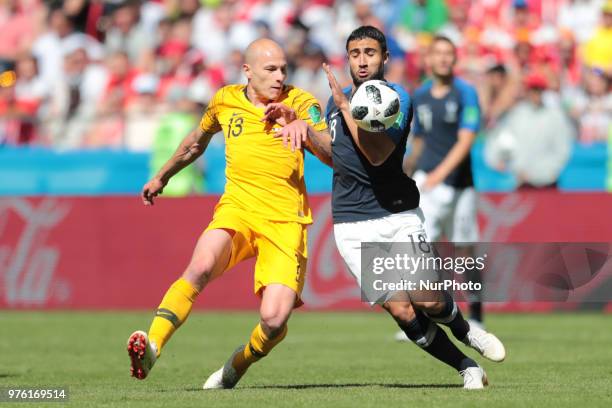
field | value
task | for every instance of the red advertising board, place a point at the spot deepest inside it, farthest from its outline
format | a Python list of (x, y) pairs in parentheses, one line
[(113, 253)]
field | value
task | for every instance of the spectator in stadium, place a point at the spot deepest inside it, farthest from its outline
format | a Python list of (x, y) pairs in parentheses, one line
[(416, 67), (118, 85), (30, 89), (163, 31), (308, 73), (75, 98), (84, 14), (125, 33), (216, 32), (232, 73), (523, 19), (495, 35), (296, 41), (108, 126), (424, 15), (597, 52), (458, 21), (569, 65), (20, 21), (170, 60), (592, 106), (181, 30), (534, 139), (580, 17), (522, 57), (474, 57), (321, 21), (61, 39), (16, 116), (497, 94), (186, 8)]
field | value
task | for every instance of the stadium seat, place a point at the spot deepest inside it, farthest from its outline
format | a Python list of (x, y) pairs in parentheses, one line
[(41, 171), (586, 169)]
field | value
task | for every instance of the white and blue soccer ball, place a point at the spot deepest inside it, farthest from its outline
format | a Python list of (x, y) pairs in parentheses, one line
[(375, 106)]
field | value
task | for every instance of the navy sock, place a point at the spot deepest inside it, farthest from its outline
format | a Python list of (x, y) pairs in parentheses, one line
[(445, 350), (419, 329), (451, 317), (427, 335), (474, 298), (476, 311)]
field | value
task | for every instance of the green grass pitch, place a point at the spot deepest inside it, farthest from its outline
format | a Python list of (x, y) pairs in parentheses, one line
[(328, 359)]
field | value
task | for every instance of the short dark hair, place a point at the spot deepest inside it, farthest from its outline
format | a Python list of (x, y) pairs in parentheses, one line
[(443, 38), (368, 32), (497, 69)]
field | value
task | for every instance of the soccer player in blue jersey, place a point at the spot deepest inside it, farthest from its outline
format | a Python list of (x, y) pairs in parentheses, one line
[(373, 200), (447, 118)]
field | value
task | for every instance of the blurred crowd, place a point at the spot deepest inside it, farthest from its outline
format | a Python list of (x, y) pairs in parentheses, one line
[(132, 73)]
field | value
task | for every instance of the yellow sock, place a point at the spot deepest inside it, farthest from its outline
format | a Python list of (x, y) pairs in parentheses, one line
[(258, 346), (172, 312)]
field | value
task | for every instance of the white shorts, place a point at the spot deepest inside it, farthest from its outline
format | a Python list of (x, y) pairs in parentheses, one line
[(449, 211), (402, 227)]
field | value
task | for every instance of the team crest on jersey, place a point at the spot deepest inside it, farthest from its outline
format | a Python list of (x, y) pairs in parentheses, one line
[(450, 111), (315, 113)]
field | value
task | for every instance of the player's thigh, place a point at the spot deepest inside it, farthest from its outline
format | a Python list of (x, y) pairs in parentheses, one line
[(411, 239), (210, 257), (281, 256), (349, 237), (464, 220), (359, 258)]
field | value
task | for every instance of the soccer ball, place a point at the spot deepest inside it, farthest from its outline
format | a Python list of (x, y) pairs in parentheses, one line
[(375, 106)]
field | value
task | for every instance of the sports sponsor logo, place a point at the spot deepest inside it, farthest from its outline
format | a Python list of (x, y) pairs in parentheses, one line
[(28, 264), (471, 115)]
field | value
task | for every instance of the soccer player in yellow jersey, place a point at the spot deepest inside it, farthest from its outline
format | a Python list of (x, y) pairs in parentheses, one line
[(263, 212)]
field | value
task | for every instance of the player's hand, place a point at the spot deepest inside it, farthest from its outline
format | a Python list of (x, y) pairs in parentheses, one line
[(280, 113), (152, 189), (294, 134), (340, 98), (431, 181)]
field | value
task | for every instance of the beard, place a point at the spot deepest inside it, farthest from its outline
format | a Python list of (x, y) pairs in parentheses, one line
[(444, 76), (379, 74)]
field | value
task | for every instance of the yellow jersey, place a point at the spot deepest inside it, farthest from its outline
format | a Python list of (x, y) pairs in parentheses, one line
[(264, 178)]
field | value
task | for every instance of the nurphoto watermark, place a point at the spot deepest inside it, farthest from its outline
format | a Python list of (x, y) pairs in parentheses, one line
[(493, 272)]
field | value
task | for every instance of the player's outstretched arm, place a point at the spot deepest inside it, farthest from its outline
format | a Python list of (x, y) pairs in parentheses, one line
[(299, 133), (411, 160), (375, 146), (191, 147), (319, 144)]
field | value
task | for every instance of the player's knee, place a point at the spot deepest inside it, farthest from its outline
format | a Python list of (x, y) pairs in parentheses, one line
[(273, 322), (401, 311), (200, 270), (431, 307)]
